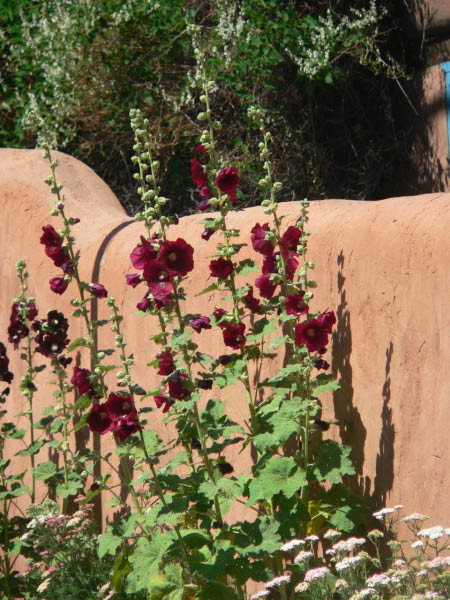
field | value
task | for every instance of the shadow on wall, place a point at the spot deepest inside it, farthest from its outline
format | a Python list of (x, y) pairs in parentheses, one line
[(352, 430)]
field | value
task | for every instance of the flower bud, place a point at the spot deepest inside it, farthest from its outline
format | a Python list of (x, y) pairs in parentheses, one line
[(277, 185), (202, 116)]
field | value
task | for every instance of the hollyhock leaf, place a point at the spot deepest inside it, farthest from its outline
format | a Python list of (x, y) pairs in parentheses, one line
[(332, 461), (81, 341), (247, 266), (279, 341), (262, 328), (108, 543), (45, 470), (258, 538), (64, 490), (324, 382), (211, 288), (31, 450), (281, 474)]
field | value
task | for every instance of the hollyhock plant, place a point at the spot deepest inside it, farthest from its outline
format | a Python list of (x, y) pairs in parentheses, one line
[(126, 427), (5, 374), (133, 279), (144, 304), (290, 240), (259, 242), (81, 379), (227, 181), (199, 323), (17, 329), (176, 257), (99, 420), (203, 205), (220, 268), (177, 386), (233, 335), (50, 237), (207, 233), (158, 279), (265, 286), (51, 338), (120, 405), (162, 401), (143, 253)]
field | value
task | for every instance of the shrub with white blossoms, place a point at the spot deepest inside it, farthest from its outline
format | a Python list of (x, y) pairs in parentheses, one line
[(417, 569)]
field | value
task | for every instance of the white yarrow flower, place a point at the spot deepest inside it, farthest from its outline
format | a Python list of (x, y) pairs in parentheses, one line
[(378, 579), (414, 517), (432, 533), (418, 544), (312, 538), (318, 573), (439, 561), (292, 545), (382, 513), (331, 534), (303, 556), (348, 545), (277, 581), (348, 562)]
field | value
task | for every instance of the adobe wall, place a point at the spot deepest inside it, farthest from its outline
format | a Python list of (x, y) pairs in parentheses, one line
[(381, 266)]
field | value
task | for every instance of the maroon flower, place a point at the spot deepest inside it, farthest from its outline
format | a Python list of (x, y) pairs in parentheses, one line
[(142, 254), (258, 238), (220, 268), (321, 364), (50, 237), (199, 323), (295, 305), (198, 173), (233, 335), (312, 334), (81, 380), (133, 279), (98, 290), (18, 329), (291, 264), (60, 257), (251, 302), (265, 286), (99, 419), (158, 279), (5, 374), (203, 205), (58, 285), (218, 313), (327, 320), (120, 405), (51, 338), (126, 427), (290, 240), (227, 181), (177, 257), (144, 304), (177, 386), (207, 233), (200, 149), (205, 192), (166, 365), (163, 401), (224, 359)]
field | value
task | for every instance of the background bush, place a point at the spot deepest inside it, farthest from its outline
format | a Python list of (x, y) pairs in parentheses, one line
[(321, 70)]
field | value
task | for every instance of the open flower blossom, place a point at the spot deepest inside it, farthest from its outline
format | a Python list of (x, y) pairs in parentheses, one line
[(142, 254), (81, 379), (318, 573), (178, 386), (314, 333), (5, 374), (162, 401), (290, 240), (198, 174), (177, 257), (117, 414), (233, 335), (252, 303), (227, 181), (220, 268), (166, 364), (295, 305), (51, 338), (258, 239), (17, 329), (199, 323)]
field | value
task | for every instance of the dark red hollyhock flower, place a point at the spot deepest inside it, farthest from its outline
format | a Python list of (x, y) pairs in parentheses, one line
[(58, 285), (80, 379), (198, 173), (205, 192), (120, 405), (220, 268), (158, 279), (163, 401), (50, 237), (251, 302), (177, 257), (142, 254), (291, 264), (60, 257), (207, 233), (203, 205), (327, 320), (227, 181), (295, 305), (321, 364), (17, 329), (218, 313), (224, 359), (133, 279), (126, 427), (166, 364), (98, 290), (99, 419), (177, 387), (144, 304), (51, 338), (200, 149), (312, 334), (5, 374), (31, 311), (290, 240), (265, 286), (199, 323), (233, 335), (258, 238)]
